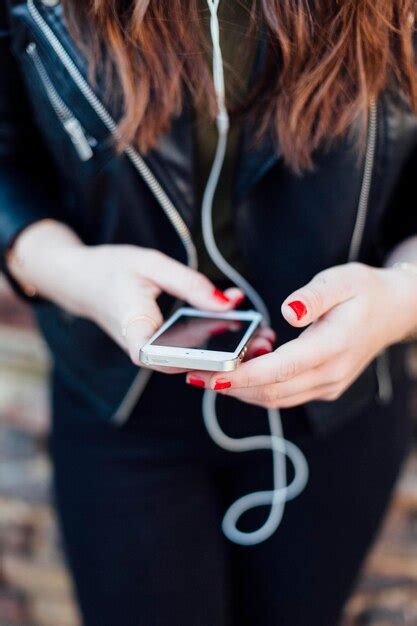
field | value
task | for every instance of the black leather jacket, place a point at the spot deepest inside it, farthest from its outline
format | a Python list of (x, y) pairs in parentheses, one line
[(57, 160)]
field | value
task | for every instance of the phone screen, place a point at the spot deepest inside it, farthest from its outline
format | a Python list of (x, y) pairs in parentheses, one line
[(205, 333)]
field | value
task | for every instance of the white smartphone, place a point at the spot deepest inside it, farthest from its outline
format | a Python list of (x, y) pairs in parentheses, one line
[(202, 340)]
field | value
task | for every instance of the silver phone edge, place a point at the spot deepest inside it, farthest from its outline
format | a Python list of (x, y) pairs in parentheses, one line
[(191, 364)]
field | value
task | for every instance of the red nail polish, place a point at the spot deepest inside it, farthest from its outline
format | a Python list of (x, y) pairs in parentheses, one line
[(219, 295), (195, 381), (222, 384), (261, 352), (240, 299), (299, 308)]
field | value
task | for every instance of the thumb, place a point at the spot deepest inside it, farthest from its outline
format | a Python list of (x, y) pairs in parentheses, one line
[(325, 291), (191, 286)]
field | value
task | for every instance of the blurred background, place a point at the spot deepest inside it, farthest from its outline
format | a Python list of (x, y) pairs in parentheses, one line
[(35, 589)]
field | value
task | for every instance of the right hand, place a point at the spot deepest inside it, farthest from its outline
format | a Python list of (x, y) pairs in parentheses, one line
[(121, 282), (111, 284)]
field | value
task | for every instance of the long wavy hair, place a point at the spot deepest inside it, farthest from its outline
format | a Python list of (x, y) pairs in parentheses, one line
[(325, 61)]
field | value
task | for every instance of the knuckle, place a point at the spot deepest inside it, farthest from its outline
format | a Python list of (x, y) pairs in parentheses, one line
[(268, 398), (149, 260), (336, 375), (357, 269), (149, 290), (357, 275), (313, 294), (286, 370), (155, 255), (341, 279), (341, 342), (323, 278), (332, 394), (247, 380), (197, 282), (150, 256)]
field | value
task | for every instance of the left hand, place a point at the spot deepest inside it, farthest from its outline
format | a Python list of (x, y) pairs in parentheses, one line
[(352, 312)]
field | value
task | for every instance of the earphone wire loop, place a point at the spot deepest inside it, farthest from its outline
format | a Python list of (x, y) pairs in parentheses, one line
[(281, 449)]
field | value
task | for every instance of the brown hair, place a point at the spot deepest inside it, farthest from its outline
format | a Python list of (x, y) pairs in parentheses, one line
[(326, 60)]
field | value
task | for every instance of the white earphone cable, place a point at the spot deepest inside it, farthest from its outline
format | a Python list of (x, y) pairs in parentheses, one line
[(281, 448)]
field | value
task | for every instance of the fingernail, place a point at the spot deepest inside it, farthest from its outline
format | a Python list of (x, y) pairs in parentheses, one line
[(299, 308), (240, 299), (196, 381), (222, 384), (261, 352), (219, 295)]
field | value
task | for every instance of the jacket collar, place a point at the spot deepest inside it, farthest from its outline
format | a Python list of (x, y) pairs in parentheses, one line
[(254, 161), (173, 163)]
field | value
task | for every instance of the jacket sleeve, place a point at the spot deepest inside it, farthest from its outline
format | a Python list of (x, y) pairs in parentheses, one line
[(400, 214), (26, 192)]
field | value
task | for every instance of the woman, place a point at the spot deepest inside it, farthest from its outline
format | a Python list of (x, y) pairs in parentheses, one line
[(100, 227)]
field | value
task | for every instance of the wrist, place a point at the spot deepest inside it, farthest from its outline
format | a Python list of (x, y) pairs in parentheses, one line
[(16, 261), (42, 260), (402, 290)]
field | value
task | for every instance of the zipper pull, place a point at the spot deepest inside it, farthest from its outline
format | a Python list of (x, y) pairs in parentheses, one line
[(31, 49), (78, 138)]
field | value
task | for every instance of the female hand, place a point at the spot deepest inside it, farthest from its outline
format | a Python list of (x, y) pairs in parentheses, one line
[(113, 284), (351, 312)]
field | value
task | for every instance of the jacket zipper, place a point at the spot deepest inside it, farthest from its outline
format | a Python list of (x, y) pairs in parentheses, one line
[(368, 170), (69, 122), (132, 396), (122, 413), (137, 161), (383, 373)]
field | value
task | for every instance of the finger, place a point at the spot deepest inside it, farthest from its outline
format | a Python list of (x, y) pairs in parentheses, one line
[(306, 352), (326, 382), (249, 396), (185, 283), (267, 333), (258, 346), (235, 295), (325, 291), (312, 379)]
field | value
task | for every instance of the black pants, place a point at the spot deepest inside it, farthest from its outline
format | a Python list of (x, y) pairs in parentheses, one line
[(141, 509)]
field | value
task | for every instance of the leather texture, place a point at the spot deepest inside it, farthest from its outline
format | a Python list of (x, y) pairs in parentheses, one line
[(288, 227)]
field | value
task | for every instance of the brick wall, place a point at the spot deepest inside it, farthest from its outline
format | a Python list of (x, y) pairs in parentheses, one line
[(35, 589)]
